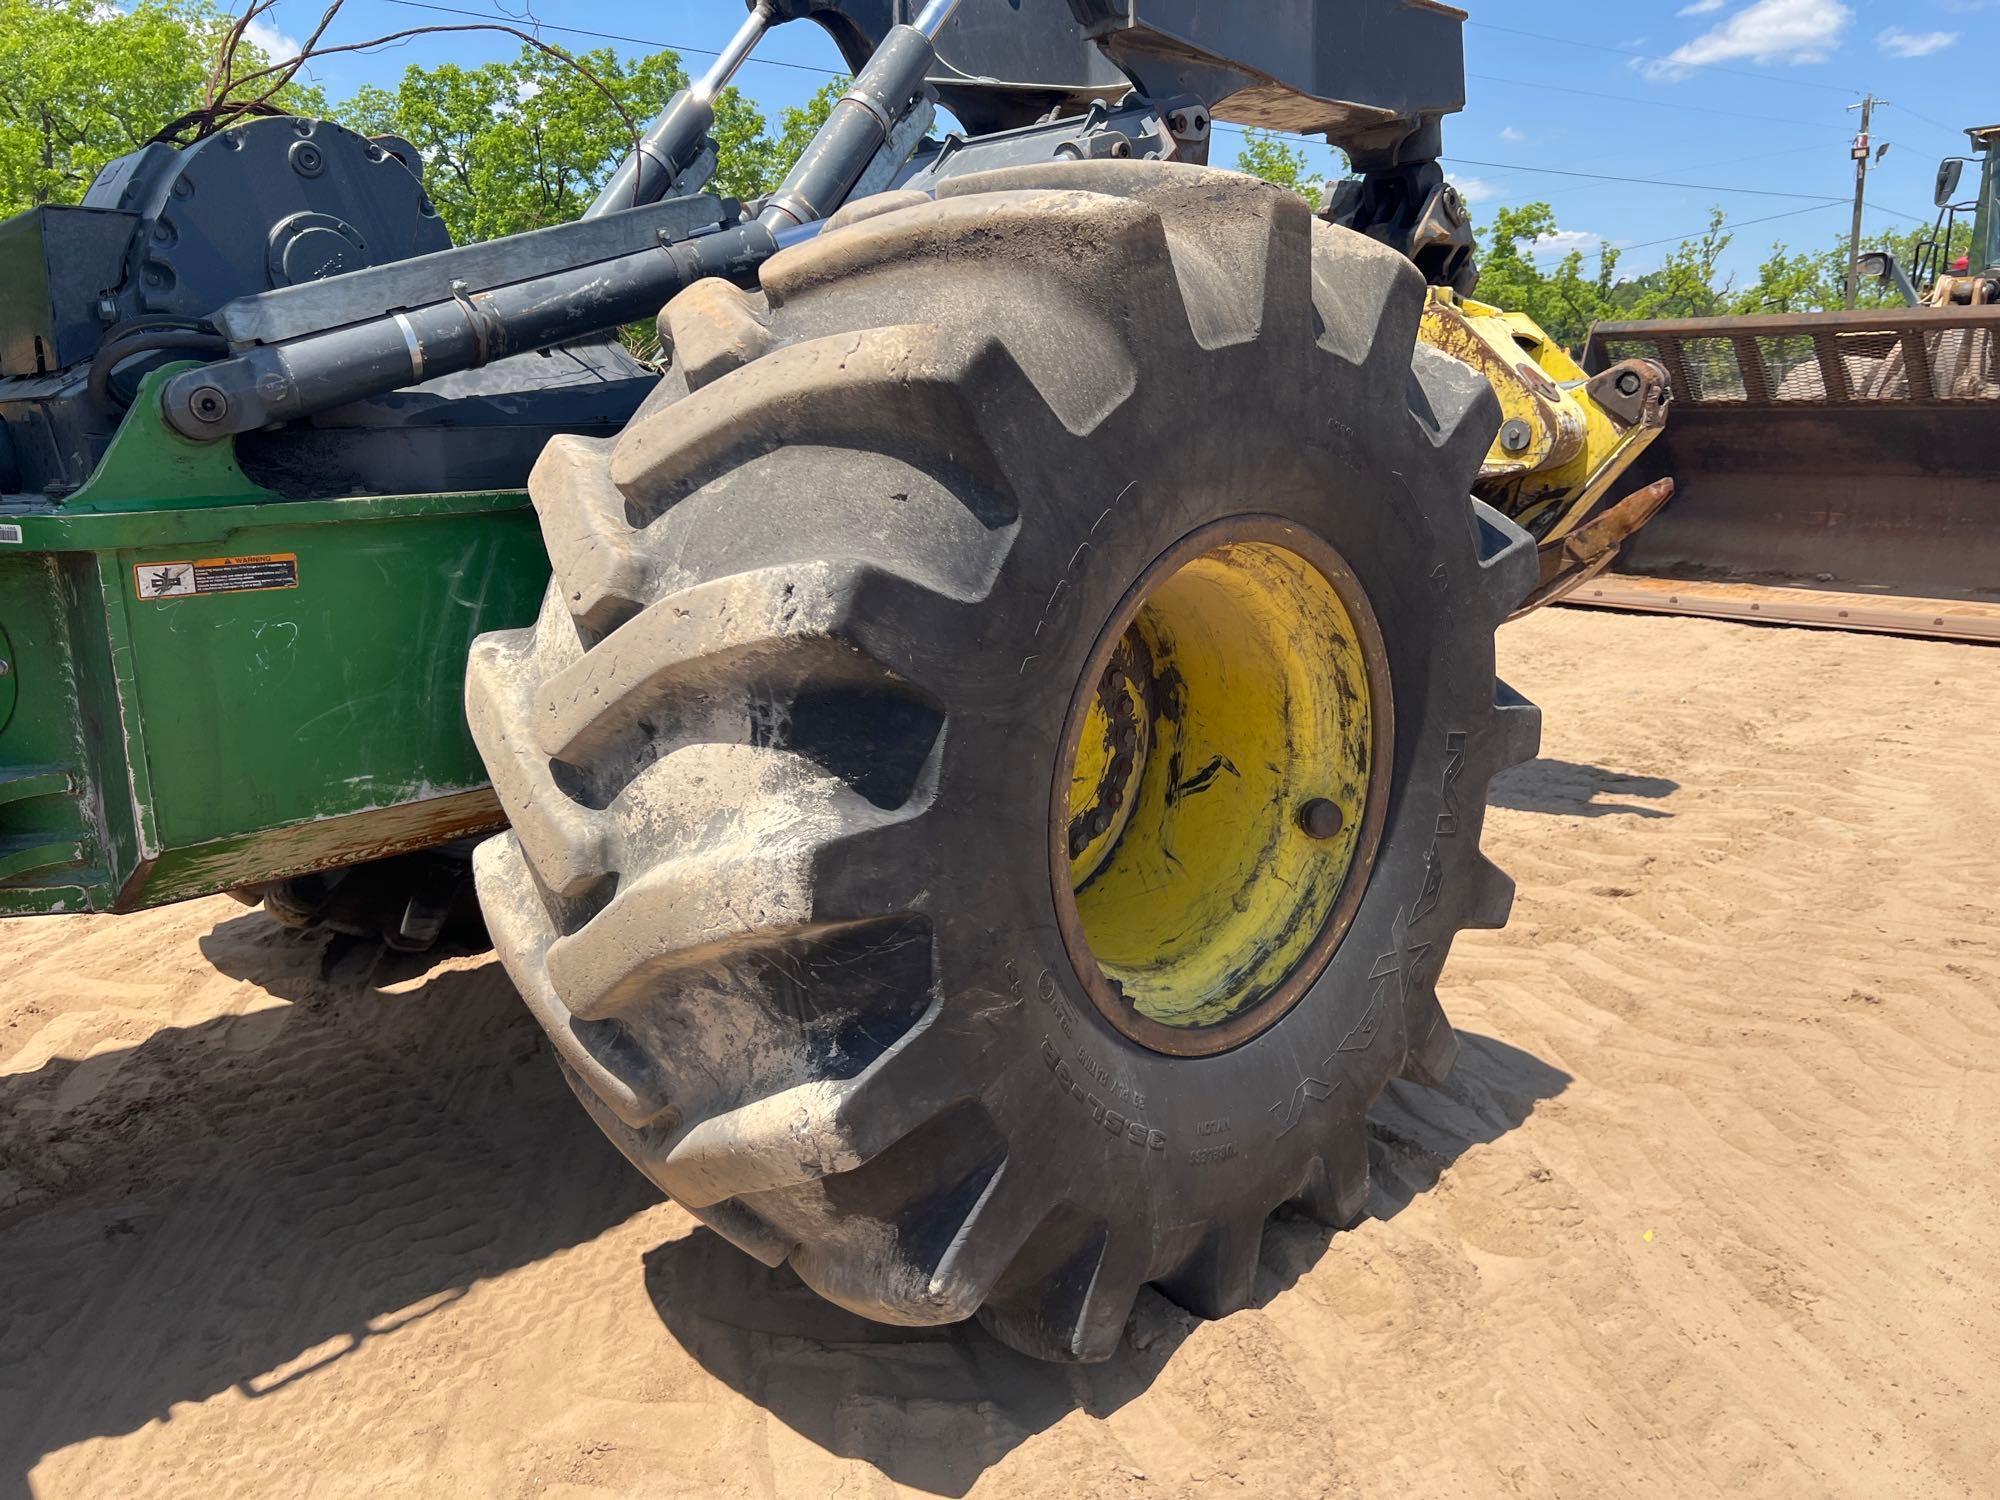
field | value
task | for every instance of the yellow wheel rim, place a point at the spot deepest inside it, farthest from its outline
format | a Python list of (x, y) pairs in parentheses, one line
[(1217, 803)]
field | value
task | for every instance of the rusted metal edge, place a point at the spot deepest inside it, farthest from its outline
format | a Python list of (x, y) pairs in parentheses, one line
[(1937, 619), (1877, 320), (1569, 562)]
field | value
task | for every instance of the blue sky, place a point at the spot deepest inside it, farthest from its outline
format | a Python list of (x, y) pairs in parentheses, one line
[(1745, 95)]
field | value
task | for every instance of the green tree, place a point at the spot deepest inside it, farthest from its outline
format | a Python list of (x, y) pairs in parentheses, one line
[(1566, 300), (516, 145), (1816, 280), (1686, 286), (1789, 282), (1270, 157), (82, 82)]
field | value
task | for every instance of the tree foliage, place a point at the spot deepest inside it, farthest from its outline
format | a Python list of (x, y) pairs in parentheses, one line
[(508, 145), (1816, 280), (1269, 156), (520, 144), (1566, 300), (82, 82), (1690, 283)]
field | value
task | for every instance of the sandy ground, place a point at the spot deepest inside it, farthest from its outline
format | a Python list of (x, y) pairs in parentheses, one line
[(1709, 1205)]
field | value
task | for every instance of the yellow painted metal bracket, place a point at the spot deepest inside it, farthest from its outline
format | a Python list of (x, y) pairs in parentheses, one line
[(1565, 436)]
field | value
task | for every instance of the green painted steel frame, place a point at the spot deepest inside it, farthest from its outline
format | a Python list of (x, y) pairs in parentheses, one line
[(153, 749)]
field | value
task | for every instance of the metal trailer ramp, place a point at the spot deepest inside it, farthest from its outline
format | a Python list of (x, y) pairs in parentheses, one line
[(1839, 470)]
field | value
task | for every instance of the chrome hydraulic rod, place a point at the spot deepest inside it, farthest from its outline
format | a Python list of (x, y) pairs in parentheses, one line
[(673, 142)]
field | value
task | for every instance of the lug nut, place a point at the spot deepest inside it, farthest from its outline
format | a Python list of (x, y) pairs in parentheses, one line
[(1321, 819)]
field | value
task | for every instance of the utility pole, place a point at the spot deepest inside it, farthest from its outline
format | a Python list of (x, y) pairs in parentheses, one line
[(1863, 145)]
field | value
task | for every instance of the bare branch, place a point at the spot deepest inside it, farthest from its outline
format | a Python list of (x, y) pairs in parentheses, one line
[(225, 95)]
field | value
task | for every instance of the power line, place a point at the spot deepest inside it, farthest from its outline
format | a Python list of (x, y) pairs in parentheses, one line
[(1566, 41), (1883, 208), (1732, 161), (1510, 166), (1925, 119), (1818, 200), (1676, 239), (1790, 213), (1693, 109), (1698, 187), (614, 36)]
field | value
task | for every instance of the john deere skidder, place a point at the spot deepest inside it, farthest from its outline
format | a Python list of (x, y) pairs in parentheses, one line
[(986, 752)]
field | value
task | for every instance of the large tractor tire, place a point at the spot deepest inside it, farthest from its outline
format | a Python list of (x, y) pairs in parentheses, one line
[(1002, 759)]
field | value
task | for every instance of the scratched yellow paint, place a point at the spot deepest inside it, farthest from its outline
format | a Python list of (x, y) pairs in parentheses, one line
[(1211, 892), (1571, 452)]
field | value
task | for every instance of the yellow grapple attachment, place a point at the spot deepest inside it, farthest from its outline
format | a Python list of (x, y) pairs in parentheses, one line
[(1565, 439)]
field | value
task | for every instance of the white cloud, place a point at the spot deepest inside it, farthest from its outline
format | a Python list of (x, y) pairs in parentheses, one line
[(1767, 31), (1701, 8), (279, 46), (1900, 43), (1512, 136), (1472, 189), (524, 91), (1562, 241)]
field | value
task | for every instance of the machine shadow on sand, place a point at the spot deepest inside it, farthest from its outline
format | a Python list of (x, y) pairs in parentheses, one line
[(934, 1408), (1572, 789), (237, 1204), (240, 1203)]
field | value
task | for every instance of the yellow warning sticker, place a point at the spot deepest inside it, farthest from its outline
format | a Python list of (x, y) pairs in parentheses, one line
[(217, 575)]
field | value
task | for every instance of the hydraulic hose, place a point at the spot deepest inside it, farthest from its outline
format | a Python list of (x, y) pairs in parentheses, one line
[(145, 335)]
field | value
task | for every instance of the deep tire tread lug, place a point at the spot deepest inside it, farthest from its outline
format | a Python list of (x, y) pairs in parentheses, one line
[(567, 844), (1507, 563), (716, 640), (1334, 1191), (1220, 1276), (1433, 1045), (711, 329)]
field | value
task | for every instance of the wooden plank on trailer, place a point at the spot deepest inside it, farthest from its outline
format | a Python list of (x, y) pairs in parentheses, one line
[(1892, 614)]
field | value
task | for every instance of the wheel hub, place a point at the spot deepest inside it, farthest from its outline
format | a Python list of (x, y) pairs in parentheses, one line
[(1218, 798)]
